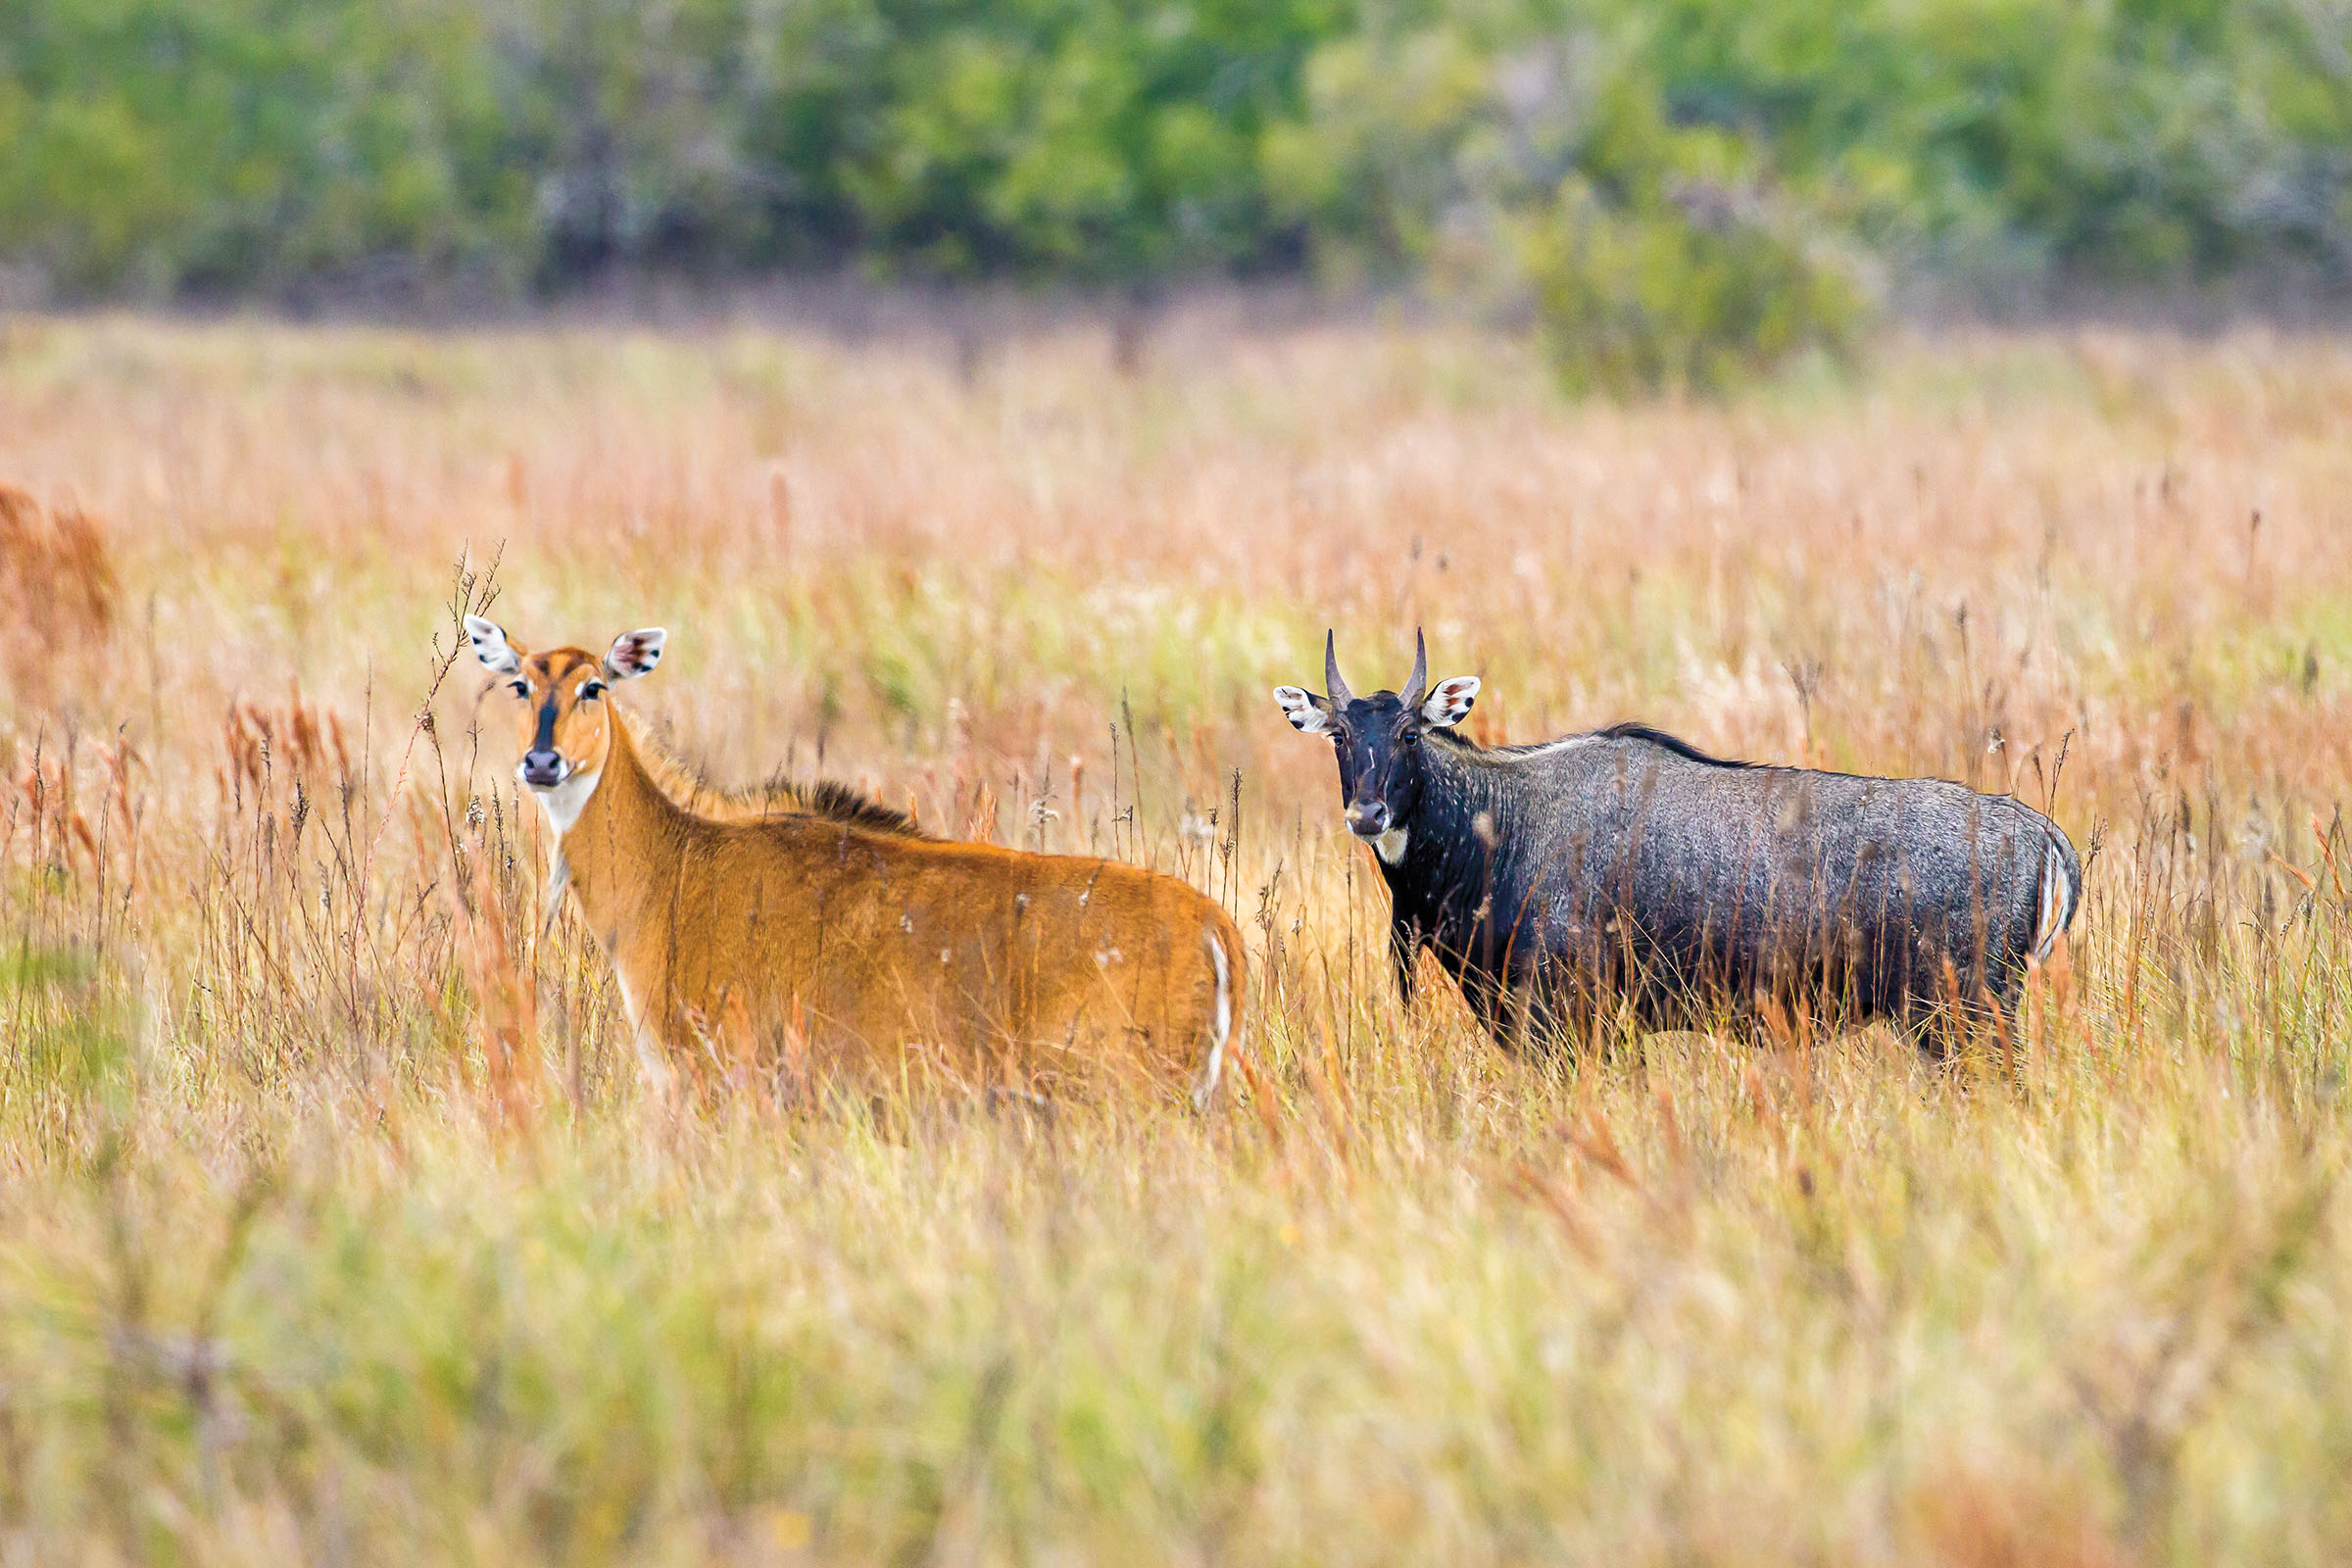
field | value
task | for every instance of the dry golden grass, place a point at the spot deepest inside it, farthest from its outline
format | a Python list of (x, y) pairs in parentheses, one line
[(334, 1225)]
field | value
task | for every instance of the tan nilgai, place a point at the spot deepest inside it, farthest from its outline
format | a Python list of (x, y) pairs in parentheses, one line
[(813, 923)]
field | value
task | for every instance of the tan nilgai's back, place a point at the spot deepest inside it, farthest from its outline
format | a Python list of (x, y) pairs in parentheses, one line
[(885, 955)]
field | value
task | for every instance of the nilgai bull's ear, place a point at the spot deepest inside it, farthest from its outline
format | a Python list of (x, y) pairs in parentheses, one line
[(1450, 703), (1304, 709), (635, 653), (491, 645)]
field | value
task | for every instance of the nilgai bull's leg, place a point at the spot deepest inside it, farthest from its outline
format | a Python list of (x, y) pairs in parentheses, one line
[(1539, 1012), (1405, 946), (1558, 1012), (1483, 993), (1954, 1007)]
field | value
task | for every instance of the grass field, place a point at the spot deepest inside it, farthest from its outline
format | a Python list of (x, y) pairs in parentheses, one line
[(334, 1226)]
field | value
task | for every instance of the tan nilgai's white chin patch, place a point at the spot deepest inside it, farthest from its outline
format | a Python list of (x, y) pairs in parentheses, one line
[(563, 803), (1390, 845)]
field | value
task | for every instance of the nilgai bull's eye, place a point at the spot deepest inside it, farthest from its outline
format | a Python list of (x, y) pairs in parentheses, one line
[(591, 690)]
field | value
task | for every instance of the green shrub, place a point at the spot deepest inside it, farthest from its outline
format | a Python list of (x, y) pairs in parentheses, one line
[(1691, 286), (229, 146), (1548, 178)]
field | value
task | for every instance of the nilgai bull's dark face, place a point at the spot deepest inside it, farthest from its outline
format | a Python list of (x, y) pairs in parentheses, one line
[(1379, 742)]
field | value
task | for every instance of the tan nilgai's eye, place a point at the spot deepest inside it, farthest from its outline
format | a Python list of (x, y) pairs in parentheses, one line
[(591, 690), (520, 688)]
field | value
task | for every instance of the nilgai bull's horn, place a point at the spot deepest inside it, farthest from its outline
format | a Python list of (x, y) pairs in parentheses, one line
[(1420, 677), (1334, 687)]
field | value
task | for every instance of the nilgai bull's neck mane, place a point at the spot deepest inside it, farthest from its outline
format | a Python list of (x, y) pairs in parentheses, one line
[(1498, 779), (1467, 778), (1468, 754)]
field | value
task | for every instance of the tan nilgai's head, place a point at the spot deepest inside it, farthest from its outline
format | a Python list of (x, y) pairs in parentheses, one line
[(562, 722)]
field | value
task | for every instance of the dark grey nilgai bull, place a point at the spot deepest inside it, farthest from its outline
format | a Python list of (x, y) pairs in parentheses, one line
[(1553, 881)]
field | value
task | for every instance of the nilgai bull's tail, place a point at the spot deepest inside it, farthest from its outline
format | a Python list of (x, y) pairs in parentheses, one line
[(2061, 891), (1227, 1012)]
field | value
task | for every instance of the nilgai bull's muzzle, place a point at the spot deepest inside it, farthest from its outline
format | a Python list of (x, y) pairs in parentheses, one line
[(1368, 819)]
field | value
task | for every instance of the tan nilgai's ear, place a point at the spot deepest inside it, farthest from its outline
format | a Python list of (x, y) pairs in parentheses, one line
[(635, 653), (1450, 703), (492, 646), (1307, 712)]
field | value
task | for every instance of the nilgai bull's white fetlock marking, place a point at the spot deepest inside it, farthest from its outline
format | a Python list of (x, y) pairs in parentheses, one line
[(786, 912)]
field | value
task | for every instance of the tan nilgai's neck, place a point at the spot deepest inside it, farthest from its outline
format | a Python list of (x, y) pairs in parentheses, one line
[(609, 850)]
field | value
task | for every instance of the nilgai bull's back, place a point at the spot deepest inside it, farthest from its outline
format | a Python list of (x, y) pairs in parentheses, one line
[(816, 923), (1554, 881)]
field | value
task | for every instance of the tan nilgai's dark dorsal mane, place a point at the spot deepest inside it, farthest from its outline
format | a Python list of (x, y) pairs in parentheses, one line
[(689, 790)]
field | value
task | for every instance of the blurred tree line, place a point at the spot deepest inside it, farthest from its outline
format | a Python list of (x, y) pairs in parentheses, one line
[(1673, 191)]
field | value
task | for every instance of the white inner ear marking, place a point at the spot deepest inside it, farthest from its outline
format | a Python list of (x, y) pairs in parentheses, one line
[(490, 645), (1300, 707), (1390, 845), (1449, 703), (635, 653)]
